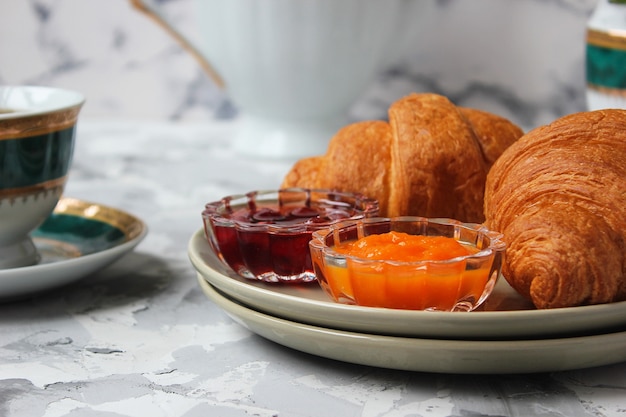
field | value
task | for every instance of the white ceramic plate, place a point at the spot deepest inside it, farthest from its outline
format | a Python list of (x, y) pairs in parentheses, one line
[(429, 355), (507, 315), (79, 238)]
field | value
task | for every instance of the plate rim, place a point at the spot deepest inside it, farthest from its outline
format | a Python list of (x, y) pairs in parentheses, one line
[(47, 274), (422, 354), (473, 325)]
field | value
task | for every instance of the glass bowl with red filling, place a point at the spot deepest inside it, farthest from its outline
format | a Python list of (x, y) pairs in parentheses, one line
[(411, 263), (264, 235)]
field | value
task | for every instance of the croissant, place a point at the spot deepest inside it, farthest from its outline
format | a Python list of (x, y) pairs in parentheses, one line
[(559, 197), (431, 159)]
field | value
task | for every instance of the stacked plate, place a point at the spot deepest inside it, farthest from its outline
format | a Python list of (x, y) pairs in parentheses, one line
[(506, 336)]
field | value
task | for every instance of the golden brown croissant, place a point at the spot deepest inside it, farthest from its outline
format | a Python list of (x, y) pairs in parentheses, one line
[(430, 160), (559, 197)]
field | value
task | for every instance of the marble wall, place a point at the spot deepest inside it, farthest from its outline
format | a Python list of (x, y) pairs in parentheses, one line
[(520, 58)]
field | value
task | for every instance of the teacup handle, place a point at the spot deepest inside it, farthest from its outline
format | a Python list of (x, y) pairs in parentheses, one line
[(143, 7)]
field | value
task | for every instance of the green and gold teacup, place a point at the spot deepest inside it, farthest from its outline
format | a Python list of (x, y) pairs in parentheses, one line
[(37, 133)]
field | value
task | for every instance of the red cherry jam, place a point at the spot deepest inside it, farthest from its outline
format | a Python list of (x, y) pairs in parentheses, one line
[(265, 234)]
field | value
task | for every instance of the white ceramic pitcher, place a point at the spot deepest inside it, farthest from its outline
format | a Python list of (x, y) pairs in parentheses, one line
[(294, 67)]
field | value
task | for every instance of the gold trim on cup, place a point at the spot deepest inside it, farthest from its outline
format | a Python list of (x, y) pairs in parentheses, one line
[(13, 194), (614, 92), (613, 39), (38, 124)]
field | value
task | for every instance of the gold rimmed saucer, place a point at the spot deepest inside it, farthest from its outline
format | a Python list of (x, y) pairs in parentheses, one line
[(79, 238)]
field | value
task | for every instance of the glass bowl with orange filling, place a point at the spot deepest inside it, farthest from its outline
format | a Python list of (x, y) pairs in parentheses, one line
[(264, 235), (411, 263)]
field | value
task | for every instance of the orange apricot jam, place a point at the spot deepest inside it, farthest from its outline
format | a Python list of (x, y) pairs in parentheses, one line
[(405, 284), (403, 247)]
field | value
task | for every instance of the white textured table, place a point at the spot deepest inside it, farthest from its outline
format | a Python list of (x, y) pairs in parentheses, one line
[(139, 338)]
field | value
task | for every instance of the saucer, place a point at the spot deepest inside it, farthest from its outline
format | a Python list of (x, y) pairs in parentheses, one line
[(78, 239)]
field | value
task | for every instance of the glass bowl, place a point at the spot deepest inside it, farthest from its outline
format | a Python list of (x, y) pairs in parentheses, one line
[(264, 235), (461, 283)]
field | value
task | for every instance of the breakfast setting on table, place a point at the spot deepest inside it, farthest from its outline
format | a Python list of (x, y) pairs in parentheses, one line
[(308, 240)]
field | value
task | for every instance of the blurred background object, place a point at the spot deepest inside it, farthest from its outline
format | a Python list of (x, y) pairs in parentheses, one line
[(293, 69), (522, 59), (606, 56)]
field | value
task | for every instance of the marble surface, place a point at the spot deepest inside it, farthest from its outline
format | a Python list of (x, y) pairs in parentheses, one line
[(139, 337)]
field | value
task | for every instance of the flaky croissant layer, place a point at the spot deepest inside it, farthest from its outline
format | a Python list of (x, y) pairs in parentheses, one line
[(559, 197), (431, 159)]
